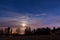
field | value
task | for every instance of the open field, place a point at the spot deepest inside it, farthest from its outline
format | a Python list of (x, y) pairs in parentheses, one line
[(41, 37)]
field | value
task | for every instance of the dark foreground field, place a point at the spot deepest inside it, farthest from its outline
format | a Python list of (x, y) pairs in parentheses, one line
[(41, 37)]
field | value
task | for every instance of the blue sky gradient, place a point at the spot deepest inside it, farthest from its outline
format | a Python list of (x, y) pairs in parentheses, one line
[(35, 13)]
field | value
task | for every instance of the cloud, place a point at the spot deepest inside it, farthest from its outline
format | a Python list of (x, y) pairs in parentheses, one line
[(10, 23), (43, 14), (15, 19)]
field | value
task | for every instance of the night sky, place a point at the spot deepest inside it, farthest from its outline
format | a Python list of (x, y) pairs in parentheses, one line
[(33, 13)]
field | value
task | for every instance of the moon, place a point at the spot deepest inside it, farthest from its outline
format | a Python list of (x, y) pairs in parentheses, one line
[(23, 25)]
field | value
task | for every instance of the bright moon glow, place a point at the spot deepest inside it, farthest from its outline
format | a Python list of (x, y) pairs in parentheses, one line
[(23, 25)]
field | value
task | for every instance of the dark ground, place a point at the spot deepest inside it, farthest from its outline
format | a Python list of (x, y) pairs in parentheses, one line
[(41, 37)]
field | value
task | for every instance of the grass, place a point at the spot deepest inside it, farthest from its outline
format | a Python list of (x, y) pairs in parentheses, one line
[(40, 37)]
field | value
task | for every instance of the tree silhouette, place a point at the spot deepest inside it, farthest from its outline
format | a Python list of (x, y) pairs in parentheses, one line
[(57, 31), (48, 30), (1, 32), (42, 31), (34, 32), (10, 31), (54, 29), (28, 31), (7, 30)]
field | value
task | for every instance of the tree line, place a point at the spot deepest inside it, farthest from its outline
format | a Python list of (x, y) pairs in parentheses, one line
[(28, 31)]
